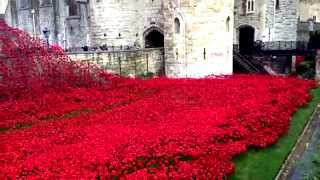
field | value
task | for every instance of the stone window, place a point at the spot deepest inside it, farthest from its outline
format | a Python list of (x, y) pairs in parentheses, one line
[(46, 2), (277, 4), (23, 4), (176, 26), (74, 8), (250, 6)]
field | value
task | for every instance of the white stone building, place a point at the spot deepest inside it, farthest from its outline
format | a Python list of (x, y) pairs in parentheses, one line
[(196, 35)]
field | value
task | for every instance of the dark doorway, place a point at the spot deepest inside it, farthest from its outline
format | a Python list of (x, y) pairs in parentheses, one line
[(154, 39), (246, 39)]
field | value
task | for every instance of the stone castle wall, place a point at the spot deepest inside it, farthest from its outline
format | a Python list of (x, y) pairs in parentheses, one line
[(303, 31), (65, 30), (271, 23), (285, 26), (257, 19), (127, 63), (124, 22)]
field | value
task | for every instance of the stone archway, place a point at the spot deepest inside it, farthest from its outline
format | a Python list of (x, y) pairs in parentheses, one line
[(154, 38), (246, 39)]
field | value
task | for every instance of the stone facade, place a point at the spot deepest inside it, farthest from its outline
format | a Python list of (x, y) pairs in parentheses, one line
[(196, 35), (255, 19), (66, 29), (272, 20), (278, 20), (284, 27), (304, 30), (204, 44), (309, 18), (309, 9), (124, 22)]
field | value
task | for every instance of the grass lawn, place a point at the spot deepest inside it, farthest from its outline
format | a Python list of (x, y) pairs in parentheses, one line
[(264, 164)]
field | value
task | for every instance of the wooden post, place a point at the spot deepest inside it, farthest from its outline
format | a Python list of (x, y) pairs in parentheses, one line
[(163, 62), (147, 58), (293, 64), (119, 61), (135, 67)]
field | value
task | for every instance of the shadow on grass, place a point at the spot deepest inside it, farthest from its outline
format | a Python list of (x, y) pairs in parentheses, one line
[(264, 164)]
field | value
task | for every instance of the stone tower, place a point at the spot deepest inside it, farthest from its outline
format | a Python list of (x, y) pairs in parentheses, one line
[(198, 37), (266, 20)]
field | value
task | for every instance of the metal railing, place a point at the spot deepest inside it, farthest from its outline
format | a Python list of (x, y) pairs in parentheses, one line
[(103, 48), (285, 45), (125, 62), (277, 45)]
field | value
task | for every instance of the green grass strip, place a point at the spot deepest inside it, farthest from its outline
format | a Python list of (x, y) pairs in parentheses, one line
[(264, 164)]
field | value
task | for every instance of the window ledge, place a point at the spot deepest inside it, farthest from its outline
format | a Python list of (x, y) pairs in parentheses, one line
[(73, 17)]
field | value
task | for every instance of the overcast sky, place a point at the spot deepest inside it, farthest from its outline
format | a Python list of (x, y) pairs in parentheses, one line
[(3, 5)]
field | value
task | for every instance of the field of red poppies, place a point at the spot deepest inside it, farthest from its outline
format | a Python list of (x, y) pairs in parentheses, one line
[(61, 119)]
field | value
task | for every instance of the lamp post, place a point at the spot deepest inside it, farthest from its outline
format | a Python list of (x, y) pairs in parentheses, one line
[(46, 33), (33, 22)]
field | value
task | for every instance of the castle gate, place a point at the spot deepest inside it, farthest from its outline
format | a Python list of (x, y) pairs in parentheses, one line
[(246, 39)]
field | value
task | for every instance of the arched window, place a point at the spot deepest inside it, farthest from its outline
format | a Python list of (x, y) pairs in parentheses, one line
[(176, 26), (228, 24), (74, 8), (250, 6)]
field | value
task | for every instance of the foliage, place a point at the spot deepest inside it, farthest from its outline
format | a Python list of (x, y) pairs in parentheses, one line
[(146, 74), (28, 67), (306, 69)]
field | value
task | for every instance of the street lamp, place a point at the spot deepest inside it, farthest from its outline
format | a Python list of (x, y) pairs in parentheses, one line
[(46, 33), (33, 22)]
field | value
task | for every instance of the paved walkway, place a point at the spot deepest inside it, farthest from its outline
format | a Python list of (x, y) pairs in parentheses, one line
[(304, 161), (308, 166)]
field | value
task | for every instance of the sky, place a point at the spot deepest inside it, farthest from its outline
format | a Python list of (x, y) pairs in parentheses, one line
[(3, 5)]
